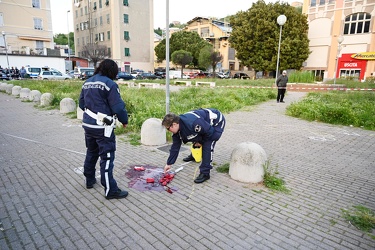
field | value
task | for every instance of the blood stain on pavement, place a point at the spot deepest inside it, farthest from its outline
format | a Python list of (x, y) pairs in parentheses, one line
[(149, 178)]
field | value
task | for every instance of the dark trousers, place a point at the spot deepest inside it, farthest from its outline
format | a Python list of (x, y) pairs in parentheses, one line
[(104, 147), (208, 147), (280, 94)]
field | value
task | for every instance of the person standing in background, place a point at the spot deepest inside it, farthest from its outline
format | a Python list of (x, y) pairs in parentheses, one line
[(281, 83)]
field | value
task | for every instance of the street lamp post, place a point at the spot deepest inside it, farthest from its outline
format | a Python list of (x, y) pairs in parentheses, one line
[(67, 14), (340, 39), (281, 21), (6, 47), (167, 58)]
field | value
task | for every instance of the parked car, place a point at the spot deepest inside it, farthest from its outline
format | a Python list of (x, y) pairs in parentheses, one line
[(79, 70), (86, 74), (220, 75), (148, 76), (5, 76), (241, 76), (160, 74), (53, 75), (124, 76), (200, 75)]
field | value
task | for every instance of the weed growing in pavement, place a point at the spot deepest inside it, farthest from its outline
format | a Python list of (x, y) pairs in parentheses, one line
[(361, 217), (223, 168), (271, 181)]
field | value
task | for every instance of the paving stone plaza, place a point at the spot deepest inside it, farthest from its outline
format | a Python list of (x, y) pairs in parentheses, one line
[(44, 203)]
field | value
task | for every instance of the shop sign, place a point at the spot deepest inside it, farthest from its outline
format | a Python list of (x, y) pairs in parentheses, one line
[(350, 65), (364, 56)]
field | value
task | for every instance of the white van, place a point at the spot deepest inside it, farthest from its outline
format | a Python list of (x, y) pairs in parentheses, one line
[(79, 70), (34, 72)]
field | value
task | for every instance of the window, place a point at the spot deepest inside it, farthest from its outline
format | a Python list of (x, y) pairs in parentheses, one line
[(94, 5), (357, 23), (108, 19), (36, 4), (313, 3), (86, 10), (101, 36), (78, 41), (1, 19), (96, 37), (100, 4), (77, 27), (127, 52), (322, 2), (81, 12), (109, 52), (126, 18), (126, 35), (38, 24), (126, 2), (108, 35), (39, 46), (101, 20), (107, 2), (76, 13), (95, 22)]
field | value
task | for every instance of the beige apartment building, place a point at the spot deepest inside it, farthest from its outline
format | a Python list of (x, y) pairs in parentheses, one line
[(342, 38), (125, 27), (26, 26)]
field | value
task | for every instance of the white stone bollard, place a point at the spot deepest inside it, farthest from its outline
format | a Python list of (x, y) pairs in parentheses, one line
[(46, 99), (152, 132), (67, 105), (8, 88), (246, 163), (35, 96), (3, 86), (16, 90), (25, 94)]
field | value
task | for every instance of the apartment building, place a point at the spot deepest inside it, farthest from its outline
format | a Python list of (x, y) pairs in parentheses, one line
[(217, 32), (125, 27), (27, 26), (342, 38)]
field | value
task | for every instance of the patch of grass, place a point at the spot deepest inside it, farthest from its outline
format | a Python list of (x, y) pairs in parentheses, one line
[(270, 179), (341, 108), (134, 139), (361, 217), (223, 168)]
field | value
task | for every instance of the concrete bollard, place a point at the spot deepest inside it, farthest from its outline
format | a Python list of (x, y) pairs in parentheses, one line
[(246, 163), (16, 90), (46, 99), (67, 105), (8, 88), (3, 86), (153, 133), (25, 94), (35, 96)]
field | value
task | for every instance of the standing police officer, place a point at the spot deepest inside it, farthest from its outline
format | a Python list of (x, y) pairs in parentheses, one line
[(100, 99), (203, 127)]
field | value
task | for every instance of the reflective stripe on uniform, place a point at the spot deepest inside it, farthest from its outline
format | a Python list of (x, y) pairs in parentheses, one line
[(106, 173)]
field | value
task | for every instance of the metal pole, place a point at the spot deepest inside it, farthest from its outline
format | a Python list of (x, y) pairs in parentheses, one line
[(278, 54), (68, 35), (167, 58), (6, 48), (334, 79)]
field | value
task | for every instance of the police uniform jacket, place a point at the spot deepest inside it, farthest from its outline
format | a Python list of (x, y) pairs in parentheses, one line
[(196, 126), (101, 94)]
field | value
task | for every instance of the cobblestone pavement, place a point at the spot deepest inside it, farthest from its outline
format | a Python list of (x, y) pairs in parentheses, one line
[(44, 203)]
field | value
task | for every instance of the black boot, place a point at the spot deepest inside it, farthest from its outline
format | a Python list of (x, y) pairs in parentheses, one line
[(202, 178), (117, 195), (189, 158)]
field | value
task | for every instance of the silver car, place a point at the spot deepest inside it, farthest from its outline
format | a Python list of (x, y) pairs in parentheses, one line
[(53, 75)]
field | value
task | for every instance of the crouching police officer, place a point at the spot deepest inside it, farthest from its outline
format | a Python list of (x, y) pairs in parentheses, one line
[(100, 99), (202, 127)]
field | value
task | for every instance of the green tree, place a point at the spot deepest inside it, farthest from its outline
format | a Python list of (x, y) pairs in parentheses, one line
[(62, 39), (182, 40), (158, 31), (209, 57), (182, 58), (255, 37)]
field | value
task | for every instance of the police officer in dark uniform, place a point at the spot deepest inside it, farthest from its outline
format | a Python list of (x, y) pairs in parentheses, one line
[(100, 99), (202, 127)]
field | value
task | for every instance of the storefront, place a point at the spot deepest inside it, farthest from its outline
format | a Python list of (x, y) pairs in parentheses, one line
[(351, 67)]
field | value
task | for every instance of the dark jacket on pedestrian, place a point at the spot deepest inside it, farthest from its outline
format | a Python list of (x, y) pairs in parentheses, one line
[(282, 80)]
